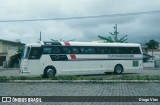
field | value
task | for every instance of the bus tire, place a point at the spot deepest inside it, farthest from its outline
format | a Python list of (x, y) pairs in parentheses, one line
[(49, 71), (118, 69)]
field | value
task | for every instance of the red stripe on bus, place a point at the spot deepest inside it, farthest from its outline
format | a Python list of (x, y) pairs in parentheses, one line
[(73, 56), (67, 43)]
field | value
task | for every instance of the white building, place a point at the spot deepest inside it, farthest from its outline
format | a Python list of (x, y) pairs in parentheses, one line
[(7, 49), (155, 60)]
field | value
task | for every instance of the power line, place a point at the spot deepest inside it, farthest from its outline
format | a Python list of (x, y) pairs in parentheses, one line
[(30, 6), (84, 17)]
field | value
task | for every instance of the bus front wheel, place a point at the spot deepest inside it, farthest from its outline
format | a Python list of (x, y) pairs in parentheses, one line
[(49, 72), (118, 69)]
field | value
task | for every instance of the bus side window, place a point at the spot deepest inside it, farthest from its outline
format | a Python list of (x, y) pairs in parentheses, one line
[(83, 50), (132, 51), (56, 50), (123, 50), (91, 50), (47, 50), (35, 53), (112, 50), (66, 50), (100, 50), (74, 50), (137, 50)]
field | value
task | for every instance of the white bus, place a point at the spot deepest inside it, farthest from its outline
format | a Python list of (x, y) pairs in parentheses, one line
[(78, 58)]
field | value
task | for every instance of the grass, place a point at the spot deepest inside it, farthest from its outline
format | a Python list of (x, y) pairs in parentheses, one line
[(7, 78), (122, 77)]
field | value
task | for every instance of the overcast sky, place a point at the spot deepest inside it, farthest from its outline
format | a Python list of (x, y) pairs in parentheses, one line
[(138, 27)]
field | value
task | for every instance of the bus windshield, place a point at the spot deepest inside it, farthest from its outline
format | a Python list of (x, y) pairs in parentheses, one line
[(35, 53), (26, 52), (32, 53)]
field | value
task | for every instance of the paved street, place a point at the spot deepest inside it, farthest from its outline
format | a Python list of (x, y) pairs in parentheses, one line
[(83, 89)]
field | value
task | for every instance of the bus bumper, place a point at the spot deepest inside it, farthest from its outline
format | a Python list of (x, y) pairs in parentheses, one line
[(24, 71)]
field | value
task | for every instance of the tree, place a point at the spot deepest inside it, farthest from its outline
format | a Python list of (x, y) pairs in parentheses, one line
[(115, 37), (152, 44), (14, 59)]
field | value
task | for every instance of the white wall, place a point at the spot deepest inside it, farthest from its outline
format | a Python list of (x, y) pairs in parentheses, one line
[(150, 63)]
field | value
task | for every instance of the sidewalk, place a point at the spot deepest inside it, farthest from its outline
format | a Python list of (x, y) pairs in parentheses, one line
[(9, 71)]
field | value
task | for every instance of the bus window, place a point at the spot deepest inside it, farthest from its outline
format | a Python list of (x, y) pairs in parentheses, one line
[(91, 50), (129, 50), (100, 50), (113, 50), (75, 50), (137, 50), (66, 50), (88, 50), (105, 50), (51, 50), (56, 50), (123, 50), (26, 53), (47, 50), (35, 53), (83, 50)]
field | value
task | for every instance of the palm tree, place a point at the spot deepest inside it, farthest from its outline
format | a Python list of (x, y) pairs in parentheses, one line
[(115, 37)]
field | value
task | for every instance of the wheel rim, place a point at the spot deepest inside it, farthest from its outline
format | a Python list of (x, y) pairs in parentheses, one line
[(50, 72), (118, 69)]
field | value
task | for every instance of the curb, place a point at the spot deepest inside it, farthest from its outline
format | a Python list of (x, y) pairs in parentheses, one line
[(83, 81)]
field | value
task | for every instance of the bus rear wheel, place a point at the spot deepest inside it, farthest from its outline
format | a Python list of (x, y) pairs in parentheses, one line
[(118, 69), (49, 72)]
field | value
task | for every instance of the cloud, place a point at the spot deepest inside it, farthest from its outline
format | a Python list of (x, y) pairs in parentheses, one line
[(138, 28)]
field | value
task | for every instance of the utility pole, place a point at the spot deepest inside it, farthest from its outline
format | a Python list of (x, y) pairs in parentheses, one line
[(115, 33), (40, 36), (152, 52)]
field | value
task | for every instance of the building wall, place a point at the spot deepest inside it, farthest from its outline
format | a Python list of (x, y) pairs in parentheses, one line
[(156, 53), (0, 47), (8, 49), (11, 49)]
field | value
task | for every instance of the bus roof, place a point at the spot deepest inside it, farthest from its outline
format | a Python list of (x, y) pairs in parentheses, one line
[(41, 43), (102, 44)]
